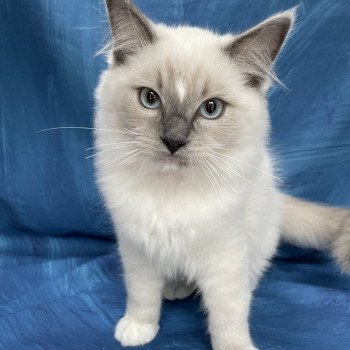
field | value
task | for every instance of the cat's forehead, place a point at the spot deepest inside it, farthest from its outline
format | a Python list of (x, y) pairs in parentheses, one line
[(185, 65), (188, 63), (177, 79)]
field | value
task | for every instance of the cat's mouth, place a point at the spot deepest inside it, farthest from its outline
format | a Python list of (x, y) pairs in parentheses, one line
[(171, 163)]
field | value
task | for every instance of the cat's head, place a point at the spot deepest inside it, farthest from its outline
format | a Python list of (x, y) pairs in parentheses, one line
[(181, 96)]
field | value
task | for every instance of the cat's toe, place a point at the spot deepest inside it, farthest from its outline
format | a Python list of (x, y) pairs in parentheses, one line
[(130, 332)]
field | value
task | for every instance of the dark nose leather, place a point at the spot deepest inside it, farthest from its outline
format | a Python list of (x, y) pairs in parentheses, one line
[(173, 145)]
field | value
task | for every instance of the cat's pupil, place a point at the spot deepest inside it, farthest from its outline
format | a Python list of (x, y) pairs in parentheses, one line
[(152, 97), (211, 107)]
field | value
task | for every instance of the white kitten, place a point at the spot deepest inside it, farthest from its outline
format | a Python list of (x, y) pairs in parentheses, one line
[(182, 128)]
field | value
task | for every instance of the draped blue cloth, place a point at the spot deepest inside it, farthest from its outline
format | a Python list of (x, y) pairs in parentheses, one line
[(60, 279)]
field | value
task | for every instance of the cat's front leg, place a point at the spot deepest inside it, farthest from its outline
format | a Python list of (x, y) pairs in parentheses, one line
[(144, 294), (226, 295)]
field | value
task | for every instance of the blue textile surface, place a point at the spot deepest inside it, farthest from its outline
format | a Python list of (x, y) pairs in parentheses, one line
[(60, 281)]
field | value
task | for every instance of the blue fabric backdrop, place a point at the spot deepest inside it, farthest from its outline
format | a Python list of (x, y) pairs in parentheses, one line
[(60, 280)]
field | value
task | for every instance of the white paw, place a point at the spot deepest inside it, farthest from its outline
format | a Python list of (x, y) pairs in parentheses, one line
[(238, 347), (173, 291), (132, 333)]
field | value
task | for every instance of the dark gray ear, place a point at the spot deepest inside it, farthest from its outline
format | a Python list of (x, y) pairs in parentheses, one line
[(131, 30), (256, 49)]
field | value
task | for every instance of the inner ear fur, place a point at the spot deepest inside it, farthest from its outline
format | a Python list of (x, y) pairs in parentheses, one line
[(256, 49), (131, 30)]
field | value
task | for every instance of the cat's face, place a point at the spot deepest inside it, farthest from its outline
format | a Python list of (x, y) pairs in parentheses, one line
[(183, 96)]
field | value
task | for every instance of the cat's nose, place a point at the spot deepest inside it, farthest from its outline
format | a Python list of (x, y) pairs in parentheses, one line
[(173, 145)]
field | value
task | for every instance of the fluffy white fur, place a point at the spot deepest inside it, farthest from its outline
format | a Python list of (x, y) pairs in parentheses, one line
[(211, 219)]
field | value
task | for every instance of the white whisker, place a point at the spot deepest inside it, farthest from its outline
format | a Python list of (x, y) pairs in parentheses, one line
[(226, 171), (81, 128), (213, 176), (227, 164), (113, 144), (122, 162), (235, 172), (249, 165), (107, 150), (132, 132), (221, 176), (126, 160), (126, 154), (200, 163)]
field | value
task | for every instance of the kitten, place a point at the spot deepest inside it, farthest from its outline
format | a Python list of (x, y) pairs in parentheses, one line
[(182, 129)]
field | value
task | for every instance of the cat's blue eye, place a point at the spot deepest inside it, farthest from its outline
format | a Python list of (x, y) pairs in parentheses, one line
[(211, 109), (150, 99)]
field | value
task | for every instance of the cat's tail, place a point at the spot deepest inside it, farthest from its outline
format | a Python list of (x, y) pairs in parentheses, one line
[(317, 226)]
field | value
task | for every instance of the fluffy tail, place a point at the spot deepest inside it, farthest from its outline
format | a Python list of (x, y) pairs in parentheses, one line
[(317, 226)]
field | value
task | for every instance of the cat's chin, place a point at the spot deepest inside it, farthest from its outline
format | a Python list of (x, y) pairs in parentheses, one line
[(171, 164)]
